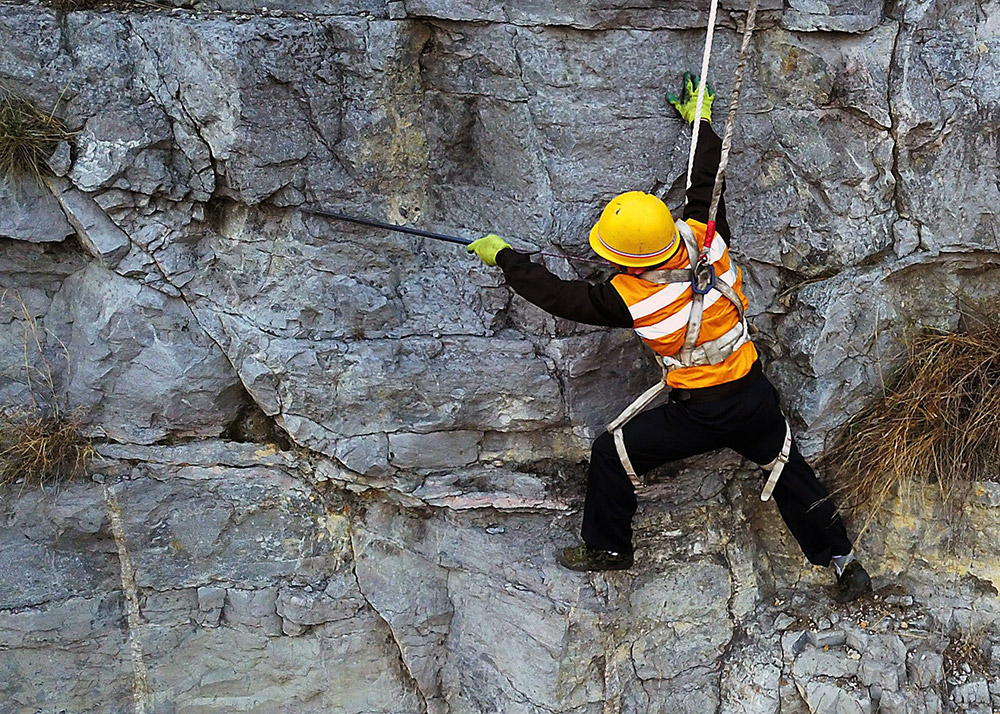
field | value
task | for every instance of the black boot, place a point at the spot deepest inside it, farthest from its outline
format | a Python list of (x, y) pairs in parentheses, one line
[(583, 557), (852, 582)]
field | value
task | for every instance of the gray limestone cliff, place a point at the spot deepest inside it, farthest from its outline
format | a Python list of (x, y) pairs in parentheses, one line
[(335, 464)]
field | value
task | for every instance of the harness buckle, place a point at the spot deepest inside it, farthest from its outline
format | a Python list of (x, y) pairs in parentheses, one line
[(702, 277)]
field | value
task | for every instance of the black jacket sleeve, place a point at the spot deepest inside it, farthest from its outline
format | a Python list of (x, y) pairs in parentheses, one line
[(575, 300), (699, 196)]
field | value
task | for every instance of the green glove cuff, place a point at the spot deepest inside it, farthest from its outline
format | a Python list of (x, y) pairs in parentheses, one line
[(486, 248)]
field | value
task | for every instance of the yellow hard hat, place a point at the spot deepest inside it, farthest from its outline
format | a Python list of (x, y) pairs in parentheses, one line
[(635, 230)]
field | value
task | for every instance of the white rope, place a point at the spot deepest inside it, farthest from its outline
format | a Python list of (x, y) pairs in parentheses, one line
[(734, 103), (702, 83)]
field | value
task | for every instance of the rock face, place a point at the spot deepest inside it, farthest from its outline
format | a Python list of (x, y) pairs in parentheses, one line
[(393, 551)]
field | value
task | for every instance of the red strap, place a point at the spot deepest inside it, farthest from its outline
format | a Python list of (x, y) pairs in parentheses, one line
[(709, 237)]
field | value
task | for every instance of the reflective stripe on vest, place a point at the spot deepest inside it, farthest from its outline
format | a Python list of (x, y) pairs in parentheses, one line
[(673, 290)]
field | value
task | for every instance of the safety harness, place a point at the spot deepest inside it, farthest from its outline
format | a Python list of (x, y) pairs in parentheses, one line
[(701, 275), (703, 279)]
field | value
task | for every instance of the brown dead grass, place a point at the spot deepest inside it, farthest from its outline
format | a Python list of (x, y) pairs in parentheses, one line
[(28, 136), (967, 648), (40, 442), (939, 423), (38, 448), (74, 5)]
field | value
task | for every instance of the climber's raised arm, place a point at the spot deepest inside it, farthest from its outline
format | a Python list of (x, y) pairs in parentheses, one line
[(706, 158)]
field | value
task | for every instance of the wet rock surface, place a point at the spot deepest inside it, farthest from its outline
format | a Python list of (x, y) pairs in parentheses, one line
[(405, 440)]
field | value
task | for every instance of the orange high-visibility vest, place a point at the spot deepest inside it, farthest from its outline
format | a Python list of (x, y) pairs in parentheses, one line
[(660, 315)]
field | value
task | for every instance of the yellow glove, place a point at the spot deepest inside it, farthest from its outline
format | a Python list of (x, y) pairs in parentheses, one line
[(686, 105), (487, 248)]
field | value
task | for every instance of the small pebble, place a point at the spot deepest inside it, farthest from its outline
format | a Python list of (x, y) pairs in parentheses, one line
[(828, 638), (783, 622)]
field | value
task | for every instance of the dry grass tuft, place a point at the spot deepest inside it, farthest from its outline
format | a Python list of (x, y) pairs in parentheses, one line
[(71, 5), (967, 649), (28, 136), (938, 424), (41, 448), (74, 5), (40, 442)]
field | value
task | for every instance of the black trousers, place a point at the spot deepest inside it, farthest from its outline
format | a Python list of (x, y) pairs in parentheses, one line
[(749, 422)]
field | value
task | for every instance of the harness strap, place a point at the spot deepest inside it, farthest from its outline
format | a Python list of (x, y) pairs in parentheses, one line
[(690, 245), (639, 405), (662, 277), (644, 400), (693, 328), (729, 293), (680, 275), (713, 351), (619, 437), (776, 466)]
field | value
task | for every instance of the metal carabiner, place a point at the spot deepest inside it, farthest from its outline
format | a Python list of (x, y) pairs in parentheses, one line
[(702, 277)]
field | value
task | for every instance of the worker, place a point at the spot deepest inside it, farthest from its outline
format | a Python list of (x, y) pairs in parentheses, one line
[(719, 396)]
